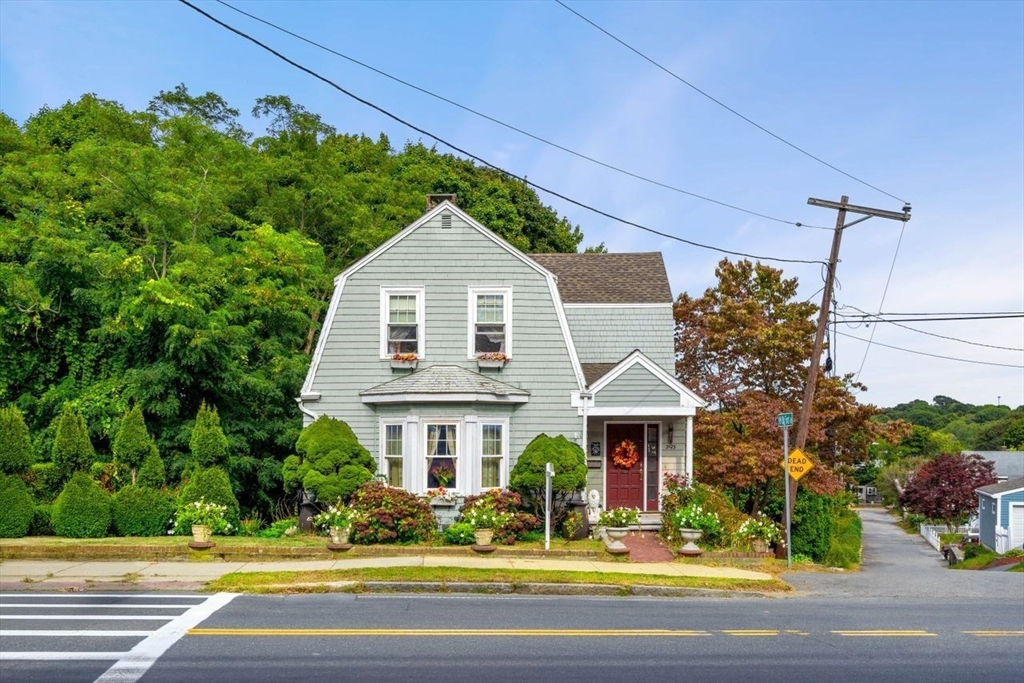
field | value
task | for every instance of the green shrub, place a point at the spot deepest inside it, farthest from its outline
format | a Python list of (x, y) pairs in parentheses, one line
[(16, 454), (17, 509), (140, 511), (208, 444), (111, 476), (72, 449), (331, 462), (152, 474), (250, 526), (976, 550), (44, 482), (844, 548), (213, 486), (133, 445), (460, 533), (528, 478), (41, 523), (82, 510), (389, 515), (279, 528), (813, 522)]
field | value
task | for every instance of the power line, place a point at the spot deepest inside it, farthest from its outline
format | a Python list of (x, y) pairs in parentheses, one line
[(885, 290), (957, 313), (870, 318), (727, 107), (934, 355), (511, 127), (480, 159), (940, 336)]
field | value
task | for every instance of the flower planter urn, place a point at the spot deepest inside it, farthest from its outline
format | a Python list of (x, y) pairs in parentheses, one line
[(759, 545), (615, 534), (339, 535), (483, 536), (201, 533), (690, 536)]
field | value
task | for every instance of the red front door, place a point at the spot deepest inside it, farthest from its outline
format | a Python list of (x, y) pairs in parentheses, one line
[(625, 485)]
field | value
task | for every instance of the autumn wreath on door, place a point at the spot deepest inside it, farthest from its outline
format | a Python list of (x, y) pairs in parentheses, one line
[(625, 455)]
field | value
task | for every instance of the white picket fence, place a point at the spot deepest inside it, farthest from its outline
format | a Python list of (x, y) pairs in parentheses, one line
[(931, 533)]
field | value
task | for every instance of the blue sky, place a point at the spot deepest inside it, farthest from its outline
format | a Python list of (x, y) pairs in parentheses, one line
[(923, 100)]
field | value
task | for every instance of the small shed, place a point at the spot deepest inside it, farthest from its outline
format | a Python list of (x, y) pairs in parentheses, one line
[(1001, 515)]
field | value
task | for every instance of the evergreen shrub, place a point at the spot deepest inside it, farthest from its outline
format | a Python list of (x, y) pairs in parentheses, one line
[(814, 518), (82, 510), (44, 482), (208, 443), (331, 462), (527, 476), (133, 445), (152, 474), (844, 549), (16, 507), (72, 448), (16, 454), (460, 533), (389, 515), (212, 485), (142, 511), (41, 522)]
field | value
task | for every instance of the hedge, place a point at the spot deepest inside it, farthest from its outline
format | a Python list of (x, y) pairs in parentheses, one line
[(82, 510), (141, 511), (213, 485), (16, 509)]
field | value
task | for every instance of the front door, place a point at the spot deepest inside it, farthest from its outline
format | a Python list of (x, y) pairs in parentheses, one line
[(625, 484)]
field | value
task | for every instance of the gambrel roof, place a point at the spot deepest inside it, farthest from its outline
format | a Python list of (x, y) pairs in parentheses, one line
[(609, 278)]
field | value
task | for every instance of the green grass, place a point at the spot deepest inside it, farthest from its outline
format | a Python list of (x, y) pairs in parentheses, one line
[(314, 581), (1019, 567)]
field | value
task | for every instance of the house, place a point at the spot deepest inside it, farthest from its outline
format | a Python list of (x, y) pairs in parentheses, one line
[(1001, 515), (1006, 464), (447, 351)]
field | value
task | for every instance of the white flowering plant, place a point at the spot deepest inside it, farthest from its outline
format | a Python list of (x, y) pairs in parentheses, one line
[(761, 528), (337, 515), (694, 516), (482, 517), (619, 517), (200, 512)]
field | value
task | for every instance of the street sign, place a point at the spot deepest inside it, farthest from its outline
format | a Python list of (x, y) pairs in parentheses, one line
[(799, 464), (785, 419)]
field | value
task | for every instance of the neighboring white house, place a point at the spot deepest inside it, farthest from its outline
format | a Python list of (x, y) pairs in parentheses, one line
[(447, 349)]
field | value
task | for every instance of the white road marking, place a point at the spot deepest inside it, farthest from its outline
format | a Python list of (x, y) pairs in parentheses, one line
[(132, 596), (131, 667), (60, 656), (76, 634), (92, 617), (90, 605)]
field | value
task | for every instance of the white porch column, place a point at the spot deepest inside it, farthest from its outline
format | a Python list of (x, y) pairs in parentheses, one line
[(689, 448)]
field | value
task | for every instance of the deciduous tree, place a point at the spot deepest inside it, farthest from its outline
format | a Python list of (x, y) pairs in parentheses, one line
[(944, 488)]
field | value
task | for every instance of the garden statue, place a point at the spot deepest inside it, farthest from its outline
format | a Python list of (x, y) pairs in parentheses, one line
[(593, 506)]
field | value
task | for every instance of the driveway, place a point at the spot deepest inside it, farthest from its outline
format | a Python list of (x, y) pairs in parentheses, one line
[(898, 564)]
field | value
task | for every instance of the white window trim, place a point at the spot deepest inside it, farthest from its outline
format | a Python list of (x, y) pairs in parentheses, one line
[(461, 452), (382, 466), (471, 318), (421, 342), (503, 476)]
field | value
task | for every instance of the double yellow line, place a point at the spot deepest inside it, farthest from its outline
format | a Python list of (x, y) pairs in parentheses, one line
[(464, 632)]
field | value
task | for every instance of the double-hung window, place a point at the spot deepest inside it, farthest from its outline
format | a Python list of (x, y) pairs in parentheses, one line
[(401, 322), (394, 462), (492, 456), (442, 455), (490, 312)]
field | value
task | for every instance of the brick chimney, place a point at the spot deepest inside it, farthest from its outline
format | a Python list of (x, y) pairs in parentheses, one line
[(435, 199)]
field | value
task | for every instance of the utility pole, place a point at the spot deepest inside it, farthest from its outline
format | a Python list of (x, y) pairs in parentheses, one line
[(843, 207)]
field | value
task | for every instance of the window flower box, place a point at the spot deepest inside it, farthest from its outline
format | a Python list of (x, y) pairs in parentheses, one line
[(495, 360), (404, 361)]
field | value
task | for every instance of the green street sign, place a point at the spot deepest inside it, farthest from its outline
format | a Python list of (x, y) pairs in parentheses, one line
[(785, 419)]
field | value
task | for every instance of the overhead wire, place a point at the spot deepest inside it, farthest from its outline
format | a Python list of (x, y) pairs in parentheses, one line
[(725, 106), (861, 319), (933, 334), (481, 160), (935, 355), (885, 290), (516, 129)]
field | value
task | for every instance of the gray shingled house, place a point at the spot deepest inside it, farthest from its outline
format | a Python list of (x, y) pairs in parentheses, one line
[(447, 351)]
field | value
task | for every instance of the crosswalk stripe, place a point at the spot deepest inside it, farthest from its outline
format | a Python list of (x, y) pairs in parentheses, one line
[(60, 656), (94, 596), (105, 605), (91, 617), (14, 633)]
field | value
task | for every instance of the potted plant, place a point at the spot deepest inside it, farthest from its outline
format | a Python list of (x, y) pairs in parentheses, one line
[(760, 531), (691, 522), (337, 521), (404, 361), (203, 519), (492, 359), (484, 520), (616, 522)]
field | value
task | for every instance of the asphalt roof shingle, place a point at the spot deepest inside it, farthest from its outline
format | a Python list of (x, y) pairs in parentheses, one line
[(444, 379), (609, 278), (1003, 486)]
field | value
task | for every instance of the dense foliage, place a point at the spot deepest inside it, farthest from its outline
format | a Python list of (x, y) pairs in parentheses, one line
[(389, 515), (527, 476), (17, 509), (133, 445), (167, 257), (141, 511), (82, 510), (814, 522), (16, 454), (208, 444), (944, 488), (514, 523), (947, 426), (331, 463), (152, 473)]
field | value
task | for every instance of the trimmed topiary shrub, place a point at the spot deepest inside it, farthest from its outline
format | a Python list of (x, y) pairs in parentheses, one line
[(72, 449), (82, 510), (133, 445), (208, 444), (527, 476), (212, 485), (140, 511), (389, 515), (16, 509), (41, 523), (152, 474), (44, 482), (331, 462), (814, 519), (16, 454)]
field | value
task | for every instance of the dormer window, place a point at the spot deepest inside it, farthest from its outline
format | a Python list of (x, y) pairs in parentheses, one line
[(401, 322), (490, 313)]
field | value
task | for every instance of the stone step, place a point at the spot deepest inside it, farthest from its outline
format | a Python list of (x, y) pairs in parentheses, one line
[(650, 521)]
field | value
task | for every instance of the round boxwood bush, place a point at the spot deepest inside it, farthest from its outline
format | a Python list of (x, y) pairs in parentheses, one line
[(41, 523), (17, 508), (82, 510), (142, 511), (212, 485), (460, 533)]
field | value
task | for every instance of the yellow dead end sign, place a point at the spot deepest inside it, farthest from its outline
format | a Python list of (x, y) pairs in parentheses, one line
[(799, 464)]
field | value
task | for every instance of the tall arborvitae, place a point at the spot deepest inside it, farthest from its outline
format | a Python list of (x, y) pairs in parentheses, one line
[(208, 444), (15, 445), (133, 444), (72, 449)]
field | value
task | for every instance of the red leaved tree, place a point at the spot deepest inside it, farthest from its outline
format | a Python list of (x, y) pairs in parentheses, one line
[(943, 488)]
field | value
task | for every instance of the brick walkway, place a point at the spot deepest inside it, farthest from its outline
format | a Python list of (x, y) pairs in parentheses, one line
[(647, 547)]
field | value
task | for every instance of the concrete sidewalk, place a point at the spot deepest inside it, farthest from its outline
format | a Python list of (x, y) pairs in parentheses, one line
[(56, 574)]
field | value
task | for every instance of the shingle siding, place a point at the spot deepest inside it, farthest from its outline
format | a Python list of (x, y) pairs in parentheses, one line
[(636, 387), (607, 334)]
